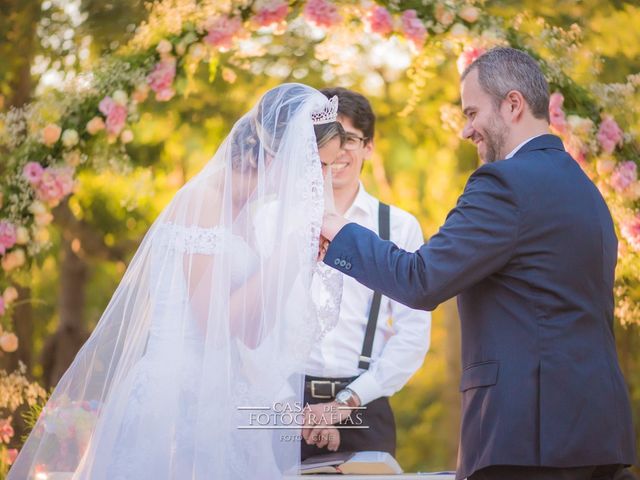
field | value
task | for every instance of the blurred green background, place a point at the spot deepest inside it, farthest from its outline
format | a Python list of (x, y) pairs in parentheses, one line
[(418, 165)]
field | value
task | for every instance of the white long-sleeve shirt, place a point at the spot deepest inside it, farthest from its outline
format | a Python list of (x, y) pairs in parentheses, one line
[(402, 334)]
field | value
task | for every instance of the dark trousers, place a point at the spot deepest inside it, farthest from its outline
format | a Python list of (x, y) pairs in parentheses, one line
[(507, 472), (380, 436)]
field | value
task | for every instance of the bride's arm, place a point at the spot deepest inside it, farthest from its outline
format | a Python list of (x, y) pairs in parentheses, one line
[(250, 304)]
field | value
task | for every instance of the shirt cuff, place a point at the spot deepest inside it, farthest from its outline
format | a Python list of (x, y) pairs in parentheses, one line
[(366, 387)]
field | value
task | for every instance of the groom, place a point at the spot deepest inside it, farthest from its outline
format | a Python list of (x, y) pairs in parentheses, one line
[(530, 250)]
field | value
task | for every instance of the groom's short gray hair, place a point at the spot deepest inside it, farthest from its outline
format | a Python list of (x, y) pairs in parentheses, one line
[(503, 69)]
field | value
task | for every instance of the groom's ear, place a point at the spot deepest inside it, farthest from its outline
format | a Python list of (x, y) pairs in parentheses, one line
[(516, 105)]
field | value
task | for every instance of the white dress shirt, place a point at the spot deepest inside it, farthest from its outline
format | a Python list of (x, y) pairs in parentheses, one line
[(402, 334)]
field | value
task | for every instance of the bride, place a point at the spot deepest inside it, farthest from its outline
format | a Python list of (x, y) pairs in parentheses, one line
[(193, 371)]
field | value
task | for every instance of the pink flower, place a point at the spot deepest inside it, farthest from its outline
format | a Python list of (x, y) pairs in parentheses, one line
[(467, 57), (609, 134), (9, 295), (55, 184), (380, 20), (444, 16), (222, 30), (2, 306), (139, 95), (95, 125), (64, 179), (32, 171), (322, 13), (48, 189), (7, 236), (116, 114), (9, 343), (161, 79), (271, 12), (604, 166), (6, 430), (51, 134), (12, 454), (12, 260), (624, 175), (556, 114), (631, 232), (469, 13), (126, 136), (413, 28), (164, 47)]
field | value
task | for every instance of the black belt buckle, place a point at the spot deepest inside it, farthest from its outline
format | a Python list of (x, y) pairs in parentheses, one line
[(317, 384)]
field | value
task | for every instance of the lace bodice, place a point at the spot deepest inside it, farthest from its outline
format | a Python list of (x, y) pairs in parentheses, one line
[(174, 243), (190, 239), (174, 250)]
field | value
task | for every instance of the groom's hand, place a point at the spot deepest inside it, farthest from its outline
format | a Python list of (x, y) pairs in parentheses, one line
[(322, 248), (332, 223)]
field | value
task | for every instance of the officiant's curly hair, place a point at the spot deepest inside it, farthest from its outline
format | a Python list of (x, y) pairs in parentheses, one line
[(356, 108)]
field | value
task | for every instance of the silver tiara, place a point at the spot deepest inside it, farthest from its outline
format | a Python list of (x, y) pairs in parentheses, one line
[(328, 114)]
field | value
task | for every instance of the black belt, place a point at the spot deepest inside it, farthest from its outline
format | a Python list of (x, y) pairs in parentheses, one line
[(325, 388)]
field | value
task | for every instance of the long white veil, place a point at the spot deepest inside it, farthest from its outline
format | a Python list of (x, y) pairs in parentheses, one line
[(195, 369)]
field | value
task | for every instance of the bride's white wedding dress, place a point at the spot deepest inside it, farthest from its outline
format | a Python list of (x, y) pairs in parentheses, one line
[(213, 319), (167, 377)]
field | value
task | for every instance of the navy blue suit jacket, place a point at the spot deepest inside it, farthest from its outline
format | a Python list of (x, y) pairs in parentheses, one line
[(530, 250)]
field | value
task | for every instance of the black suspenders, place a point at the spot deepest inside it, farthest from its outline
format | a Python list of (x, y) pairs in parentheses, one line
[(384, 227)]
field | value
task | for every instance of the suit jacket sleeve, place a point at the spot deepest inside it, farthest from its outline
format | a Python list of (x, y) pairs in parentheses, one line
[(477, 239)]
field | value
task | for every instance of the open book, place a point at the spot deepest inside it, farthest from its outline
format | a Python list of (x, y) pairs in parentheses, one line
[(352, 463)]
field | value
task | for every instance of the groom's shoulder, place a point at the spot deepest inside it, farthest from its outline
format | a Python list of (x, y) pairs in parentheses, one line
[(501, 179), (512, 171)]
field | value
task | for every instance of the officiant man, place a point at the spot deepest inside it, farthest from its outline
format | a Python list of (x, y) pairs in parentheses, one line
[(378, 344), (530, 251)]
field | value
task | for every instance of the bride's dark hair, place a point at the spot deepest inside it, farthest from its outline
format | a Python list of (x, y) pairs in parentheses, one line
[(246, 142), (327, 132)]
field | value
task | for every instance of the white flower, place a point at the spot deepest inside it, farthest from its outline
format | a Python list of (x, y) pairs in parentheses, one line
[(22, 235), (459, 30), (38, 208), (580, 125), (70, 138), (120, 96), (198, 51)]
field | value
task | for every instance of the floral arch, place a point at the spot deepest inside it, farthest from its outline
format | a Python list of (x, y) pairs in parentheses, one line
[(46, 144)]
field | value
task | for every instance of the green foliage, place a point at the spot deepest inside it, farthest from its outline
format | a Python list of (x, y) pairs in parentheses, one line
[(31, 415)]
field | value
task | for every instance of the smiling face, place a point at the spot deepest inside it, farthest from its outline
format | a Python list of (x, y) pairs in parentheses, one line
[(485, 125), (345, 170)]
